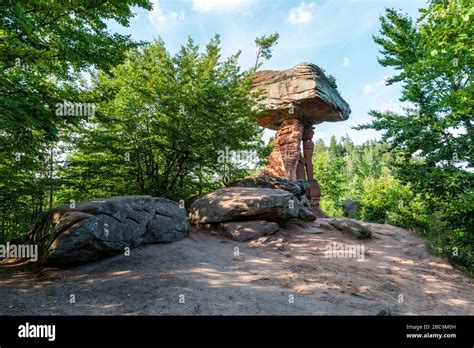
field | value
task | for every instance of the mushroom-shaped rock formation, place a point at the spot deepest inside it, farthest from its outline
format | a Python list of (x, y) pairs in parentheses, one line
[(297, 99)]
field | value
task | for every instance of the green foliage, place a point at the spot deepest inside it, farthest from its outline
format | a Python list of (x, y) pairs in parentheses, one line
[(329, 169), (160, 121), (371, 174), (165, 123), (434, 58), (435, 62), (332, 81), (379, 197), (346, 171), (265, 44), (45, 46), (151, 132)]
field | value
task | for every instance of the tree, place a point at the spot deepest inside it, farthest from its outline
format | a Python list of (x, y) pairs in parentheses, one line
[(435, 60), (265, 45), (434, 138), (370, 173), (45, 47), (166, 120)]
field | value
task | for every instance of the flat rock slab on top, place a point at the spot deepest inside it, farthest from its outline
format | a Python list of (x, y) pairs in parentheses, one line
[(306, 88)]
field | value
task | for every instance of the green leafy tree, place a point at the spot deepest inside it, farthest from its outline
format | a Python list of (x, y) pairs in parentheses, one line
[(265, 45), (370, 173), (45, 47), (435, 60), (166, 122), (434, 138)]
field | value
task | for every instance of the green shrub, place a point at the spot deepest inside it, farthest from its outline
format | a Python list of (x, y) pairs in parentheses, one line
[(383, 199), (330, 207), (446, 223)]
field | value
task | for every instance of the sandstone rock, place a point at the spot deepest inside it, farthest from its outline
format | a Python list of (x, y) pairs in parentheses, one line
[(296, 99), (302, 92), (325, 225), (297, 188), (306, 214), (351, 227), (243, 204), (102, 227), (274, 164), (280, 246), (286, 160), (188, 202), (289, 137), (245, 230)]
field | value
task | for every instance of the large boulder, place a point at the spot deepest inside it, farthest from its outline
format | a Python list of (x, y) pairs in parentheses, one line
[(299, 188), (303, 92), (102, 227), (245, 203)]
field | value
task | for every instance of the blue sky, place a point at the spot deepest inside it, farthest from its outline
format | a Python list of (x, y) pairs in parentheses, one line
[(334, 34)]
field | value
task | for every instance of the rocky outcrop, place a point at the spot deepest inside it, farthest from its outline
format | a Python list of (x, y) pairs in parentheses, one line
[(303, 92), (274, 164), (352, 228), (242, 231), (289, 137), (299, 188), (243, 204), (297, 99), (102, 227), (252, 207)]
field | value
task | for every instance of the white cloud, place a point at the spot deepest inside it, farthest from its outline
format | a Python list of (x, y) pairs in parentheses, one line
[(220, 5), (368, 88), (382, 82), (159, 18), (321, 135), (392, 106), (302, 14)]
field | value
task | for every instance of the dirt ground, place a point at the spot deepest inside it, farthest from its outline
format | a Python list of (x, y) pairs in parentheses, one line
[(286, 274)]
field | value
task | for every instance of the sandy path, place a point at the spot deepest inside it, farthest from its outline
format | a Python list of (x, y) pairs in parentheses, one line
[(397, 276)]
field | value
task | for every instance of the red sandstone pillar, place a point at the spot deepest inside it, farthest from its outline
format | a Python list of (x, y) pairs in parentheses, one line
[(289, 141), (315, 190)]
